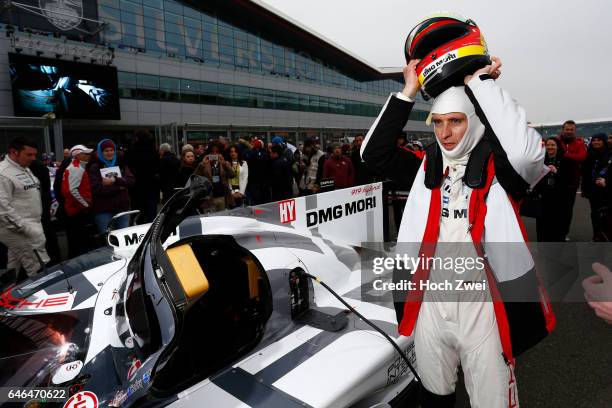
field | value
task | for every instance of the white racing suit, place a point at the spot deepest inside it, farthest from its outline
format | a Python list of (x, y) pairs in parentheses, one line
[(471, 203), (20, 218), (459, 328)]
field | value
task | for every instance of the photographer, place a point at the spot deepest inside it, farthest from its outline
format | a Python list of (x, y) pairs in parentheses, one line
[(215, 168), (464, 191)]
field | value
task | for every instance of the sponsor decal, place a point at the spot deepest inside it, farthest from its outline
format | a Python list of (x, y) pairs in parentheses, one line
[(82, 399), (438, 63), (365, 189), (324, 215), (129, 342), (8, 301), (67, 372), (136, 364), (399, 367), (118, 399), (286, 211), (134, 238), (139, 383), (327, 184), (63, 14), (31, 186)]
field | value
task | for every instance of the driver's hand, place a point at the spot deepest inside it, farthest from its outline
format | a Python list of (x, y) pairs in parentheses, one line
[(598, 291), (107, 181), (493, 70), (411, 79)]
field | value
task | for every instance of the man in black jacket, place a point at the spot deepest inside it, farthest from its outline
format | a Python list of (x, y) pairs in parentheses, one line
[(143, 160), (42, 173), (169, 166)]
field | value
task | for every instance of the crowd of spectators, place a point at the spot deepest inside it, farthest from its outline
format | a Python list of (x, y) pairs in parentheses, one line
[(575, 166), (94, 183)]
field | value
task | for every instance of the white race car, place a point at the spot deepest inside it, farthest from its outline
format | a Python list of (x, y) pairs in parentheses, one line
[(217, 311)]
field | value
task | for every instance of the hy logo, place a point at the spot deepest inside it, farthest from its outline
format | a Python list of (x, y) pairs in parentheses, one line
[(63, 14), (286, 211)]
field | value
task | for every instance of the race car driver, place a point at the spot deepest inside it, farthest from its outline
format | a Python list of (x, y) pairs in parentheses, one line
[(465, 190), (20, 211)]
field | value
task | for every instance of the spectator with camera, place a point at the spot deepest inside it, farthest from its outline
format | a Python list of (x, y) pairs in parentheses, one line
[(219, 172), (595, 188), (109, 182)]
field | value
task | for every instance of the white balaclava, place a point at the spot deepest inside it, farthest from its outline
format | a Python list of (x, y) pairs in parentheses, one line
[(454, 99)]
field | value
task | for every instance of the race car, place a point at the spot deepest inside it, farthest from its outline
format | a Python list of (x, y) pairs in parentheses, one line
[(259, 307)]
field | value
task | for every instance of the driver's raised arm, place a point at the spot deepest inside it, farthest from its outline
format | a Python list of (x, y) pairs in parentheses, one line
[(517, 148), (379, 149)]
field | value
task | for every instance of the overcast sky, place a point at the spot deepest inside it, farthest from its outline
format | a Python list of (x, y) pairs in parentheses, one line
[(556, 55)]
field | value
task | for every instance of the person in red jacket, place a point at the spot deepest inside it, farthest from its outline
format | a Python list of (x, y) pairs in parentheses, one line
[(340, 168), (575, 153), (76, 192)]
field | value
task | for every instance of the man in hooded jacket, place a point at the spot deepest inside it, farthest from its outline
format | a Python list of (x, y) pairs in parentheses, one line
[(465, 190)]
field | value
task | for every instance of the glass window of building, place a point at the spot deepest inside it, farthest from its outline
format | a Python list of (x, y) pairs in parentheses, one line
[(127, 84), (169, 89), (173, 7), (225, 94), (208, 93), (148, 86), (190, 91)]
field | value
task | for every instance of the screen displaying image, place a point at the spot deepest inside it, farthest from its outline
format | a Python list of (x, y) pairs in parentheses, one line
[(69, 89)]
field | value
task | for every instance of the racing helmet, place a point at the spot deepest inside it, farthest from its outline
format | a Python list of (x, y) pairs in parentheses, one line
[(449, 47)]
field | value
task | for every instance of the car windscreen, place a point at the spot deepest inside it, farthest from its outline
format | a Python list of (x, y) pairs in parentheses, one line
[(34, 346)]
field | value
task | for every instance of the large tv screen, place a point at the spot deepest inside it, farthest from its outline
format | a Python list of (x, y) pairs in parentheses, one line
[(69, 89)]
